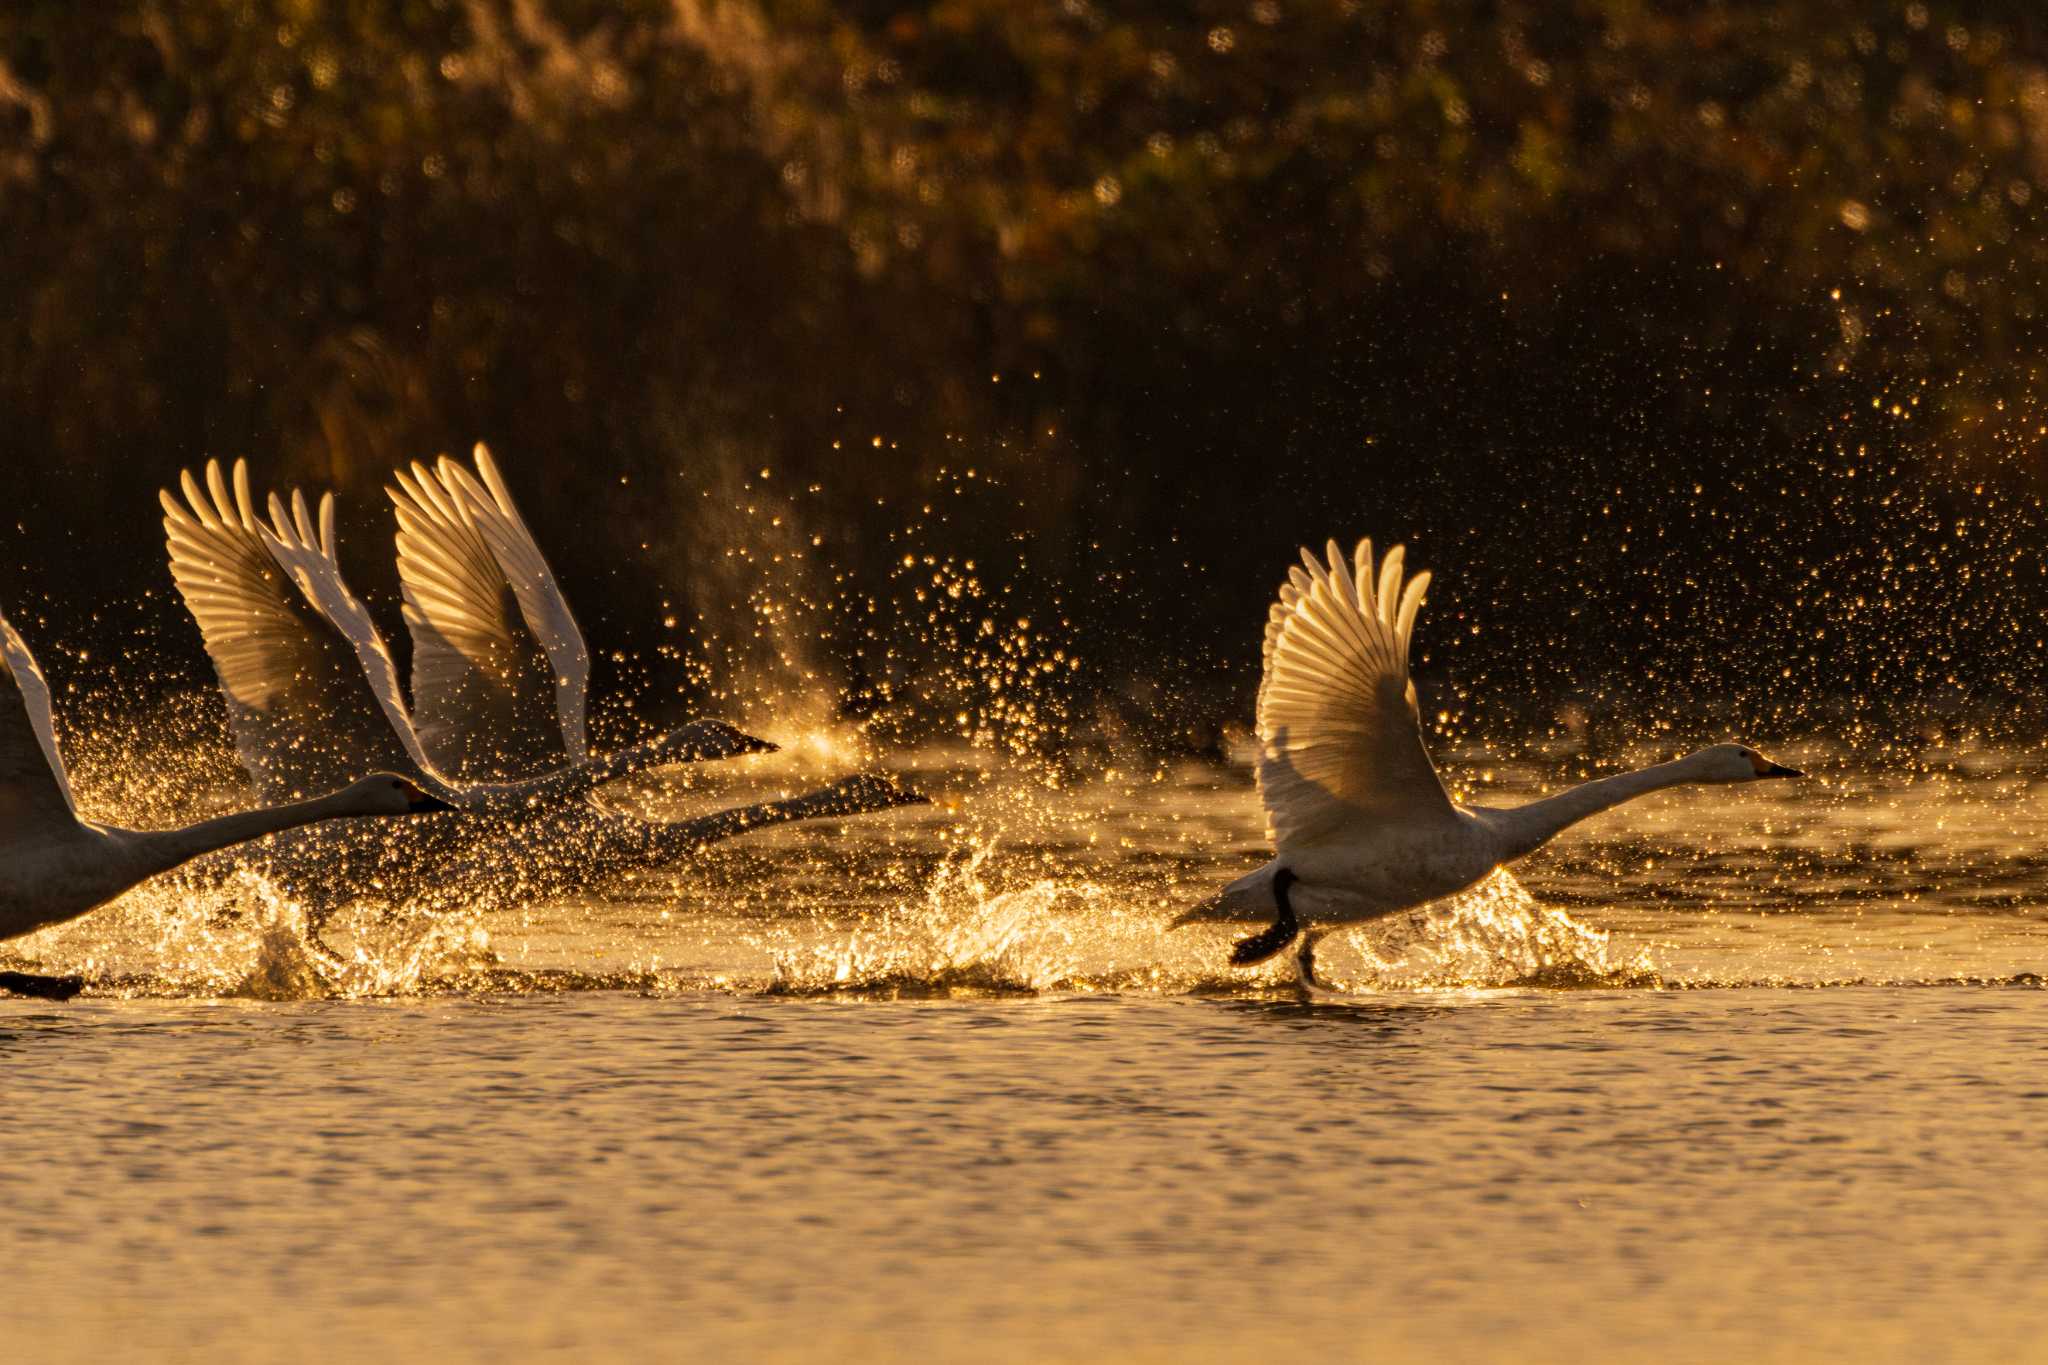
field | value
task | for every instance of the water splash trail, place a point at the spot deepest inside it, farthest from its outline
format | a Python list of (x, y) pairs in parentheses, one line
[(1494, 935), (1049, 935), (963, 937), (243, 938)]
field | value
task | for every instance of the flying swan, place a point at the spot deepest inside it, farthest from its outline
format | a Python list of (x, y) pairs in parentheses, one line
[(55, 866), (470, 571), (312, 690), (499, 669), (1361, 824)]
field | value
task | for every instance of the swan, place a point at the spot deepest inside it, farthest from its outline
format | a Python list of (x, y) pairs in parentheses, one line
[(555, 855), (1360, 821), (311, 687), (499, 667), (311, 684), (55, 866), (468, 567)]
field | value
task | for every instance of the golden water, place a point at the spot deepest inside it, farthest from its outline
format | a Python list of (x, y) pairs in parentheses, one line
[(1738, 1073)]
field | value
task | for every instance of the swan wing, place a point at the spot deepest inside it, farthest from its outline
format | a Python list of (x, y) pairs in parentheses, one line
[(35, 792), (1340, 733), (305, 551), (533, 583), (303, 718), (482, 681)]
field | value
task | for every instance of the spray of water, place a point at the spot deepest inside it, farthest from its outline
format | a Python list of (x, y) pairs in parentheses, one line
[(1495, 934), (963, 937), (938, 662)]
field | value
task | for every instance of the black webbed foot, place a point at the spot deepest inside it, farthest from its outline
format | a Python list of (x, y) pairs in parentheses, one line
[(41, 987), (1272, 941), (1305, 965)]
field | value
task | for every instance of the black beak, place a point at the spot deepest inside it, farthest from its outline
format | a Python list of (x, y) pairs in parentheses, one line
[(898, 795), (716, 739), (1780, 770), (426, 803)]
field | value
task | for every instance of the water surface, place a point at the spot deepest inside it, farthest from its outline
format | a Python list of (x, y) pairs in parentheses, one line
[(1743, 1072)]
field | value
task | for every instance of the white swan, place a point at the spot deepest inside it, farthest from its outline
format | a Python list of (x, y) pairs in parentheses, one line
[(472, 575), (311, 686), (499, 667), (55, 866), (1361, 824)]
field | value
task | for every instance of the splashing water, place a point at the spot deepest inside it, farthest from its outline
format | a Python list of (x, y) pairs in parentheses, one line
[(964, 937), (1053, 935), (824, 645), (1494, 935), (387, 952), (242, 937)]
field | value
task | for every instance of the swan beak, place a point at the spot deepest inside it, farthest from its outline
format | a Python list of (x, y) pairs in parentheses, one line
[(716, 739), (420, 802), (1780, 770)]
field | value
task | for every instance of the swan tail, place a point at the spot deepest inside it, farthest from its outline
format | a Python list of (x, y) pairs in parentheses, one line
[(1248, 900)]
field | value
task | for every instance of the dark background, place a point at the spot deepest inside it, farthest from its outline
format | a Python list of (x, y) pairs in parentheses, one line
[(1693, 345)]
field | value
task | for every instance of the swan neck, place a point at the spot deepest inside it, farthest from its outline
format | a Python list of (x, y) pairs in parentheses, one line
[(161, 850), (724, 824), (634, 758), (563, 784), (1529, 827)]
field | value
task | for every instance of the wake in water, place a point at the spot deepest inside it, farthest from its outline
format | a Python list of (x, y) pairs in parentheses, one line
[(994, 919), (1020, 884), (1050, 936), (963, 937), (242, 938), (1495, 935)]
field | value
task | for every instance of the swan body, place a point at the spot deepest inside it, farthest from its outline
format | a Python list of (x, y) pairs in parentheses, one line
[(1361, 823), (55, 866)]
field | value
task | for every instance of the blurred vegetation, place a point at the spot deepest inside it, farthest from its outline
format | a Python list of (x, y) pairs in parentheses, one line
[(1699, 342)]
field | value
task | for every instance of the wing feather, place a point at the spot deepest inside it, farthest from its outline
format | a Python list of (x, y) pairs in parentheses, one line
[(1390, 585), (303, 719), (35, 792), (482, 684), (305, 551), (1340, 734), (533, 585)]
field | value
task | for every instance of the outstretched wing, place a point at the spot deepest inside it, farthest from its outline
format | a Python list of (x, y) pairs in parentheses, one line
[(303, 718), (533, 584), (35, 794), (1340, 734), (483, 695), (306, 554)]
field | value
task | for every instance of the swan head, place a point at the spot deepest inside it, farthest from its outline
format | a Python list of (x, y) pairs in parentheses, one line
[(702, 739), (1737, 763), (390, 794)]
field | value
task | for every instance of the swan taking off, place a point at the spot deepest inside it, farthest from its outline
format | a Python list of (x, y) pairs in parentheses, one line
[(55, 866), (312, 689), (1361, 824), (499, 672)]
